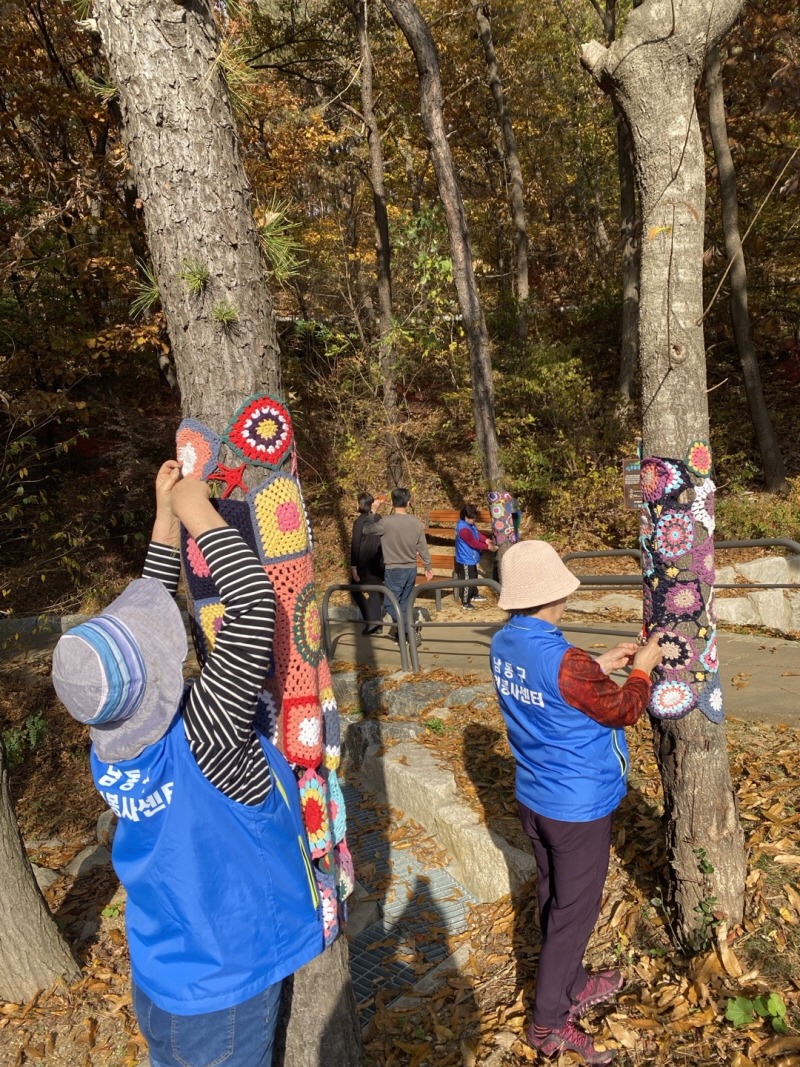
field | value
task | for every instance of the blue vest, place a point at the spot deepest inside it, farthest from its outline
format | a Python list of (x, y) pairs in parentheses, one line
[(222, 900), (465, 553), (569, 767)]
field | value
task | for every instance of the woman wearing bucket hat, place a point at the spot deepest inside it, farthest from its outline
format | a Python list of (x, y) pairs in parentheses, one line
[(564, 717), (210, 844)]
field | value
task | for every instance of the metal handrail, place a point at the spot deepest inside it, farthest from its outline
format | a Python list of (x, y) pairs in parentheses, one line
[(445, 583), (355, 587)]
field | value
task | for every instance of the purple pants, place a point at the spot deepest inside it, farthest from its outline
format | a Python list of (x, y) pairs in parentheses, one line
[(572, 863)]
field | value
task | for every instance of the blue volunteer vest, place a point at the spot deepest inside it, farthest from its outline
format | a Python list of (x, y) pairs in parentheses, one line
[(222, 900), (569, 767), (465, 554)]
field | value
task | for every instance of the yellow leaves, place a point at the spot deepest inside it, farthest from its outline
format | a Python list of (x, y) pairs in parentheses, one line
[(657, 231)]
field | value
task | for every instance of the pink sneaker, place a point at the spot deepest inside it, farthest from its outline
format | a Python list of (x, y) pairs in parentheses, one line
[(568, 1039), (601, 987)]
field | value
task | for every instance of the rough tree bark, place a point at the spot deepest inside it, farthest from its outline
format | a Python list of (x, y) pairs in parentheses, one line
[(771, 458), (652, 71), (516, 192), (32, 952), (383, 251), (416, 31), (628, 224), (181, 141)]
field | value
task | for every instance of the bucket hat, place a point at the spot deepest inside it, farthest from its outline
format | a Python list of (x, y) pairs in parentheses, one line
[(531, 575), (121, 672)]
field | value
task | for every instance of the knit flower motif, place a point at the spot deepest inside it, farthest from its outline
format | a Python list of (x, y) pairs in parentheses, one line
[(315, 812), (677, 652), (674, 533), (698, 458), (671, 699), (653, 477), (710, 701), (683, 598), (646, 526), (197, 449), (261, 431), (709, 657), (703, 504), (703, 561)]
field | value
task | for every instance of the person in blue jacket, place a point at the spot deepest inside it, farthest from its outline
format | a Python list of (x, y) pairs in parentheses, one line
[(222, 903), (470, 542), (565, 718)]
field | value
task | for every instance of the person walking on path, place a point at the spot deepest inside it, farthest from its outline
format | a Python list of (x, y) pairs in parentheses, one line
[(402, 540), (470, 542), (366, 561), (565, 719), (210, 844)]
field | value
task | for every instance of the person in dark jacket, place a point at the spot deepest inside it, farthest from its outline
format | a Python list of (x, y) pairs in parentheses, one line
[(470, 542), (366, 561), (565, 718)]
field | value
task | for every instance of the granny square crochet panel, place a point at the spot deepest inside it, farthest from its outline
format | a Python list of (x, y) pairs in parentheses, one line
[(502, 508), (296, 706), (676, 539)]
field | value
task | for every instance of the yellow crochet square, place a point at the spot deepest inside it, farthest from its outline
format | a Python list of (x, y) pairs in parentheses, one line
[(279, 518)]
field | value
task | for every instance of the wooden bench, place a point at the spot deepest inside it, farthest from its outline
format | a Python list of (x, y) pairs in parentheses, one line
[(440, 525)]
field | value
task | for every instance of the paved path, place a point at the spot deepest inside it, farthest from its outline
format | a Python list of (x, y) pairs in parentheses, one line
[(760, 675)]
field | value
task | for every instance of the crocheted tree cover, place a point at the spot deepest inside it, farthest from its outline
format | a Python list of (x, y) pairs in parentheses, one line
[(503, 510), (296, 706), (676, 539)]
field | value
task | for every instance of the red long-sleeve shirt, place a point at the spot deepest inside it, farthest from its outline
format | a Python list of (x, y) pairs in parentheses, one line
[(585, 686)]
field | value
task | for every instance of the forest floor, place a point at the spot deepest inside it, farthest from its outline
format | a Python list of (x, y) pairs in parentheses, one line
[(671, 1012)]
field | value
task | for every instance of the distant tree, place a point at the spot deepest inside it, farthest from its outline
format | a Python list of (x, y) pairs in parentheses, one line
[(771, 457), (516, 185), (417, 32), (652, 70), (33, 953), (383, 251)]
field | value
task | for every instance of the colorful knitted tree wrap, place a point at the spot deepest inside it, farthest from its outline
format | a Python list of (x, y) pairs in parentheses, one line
[(297, 707), (501, 508), (676, 539)]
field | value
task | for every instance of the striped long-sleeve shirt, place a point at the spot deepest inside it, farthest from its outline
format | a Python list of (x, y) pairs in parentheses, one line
[(220, 709)]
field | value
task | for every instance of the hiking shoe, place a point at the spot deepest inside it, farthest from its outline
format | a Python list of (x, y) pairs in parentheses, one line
[(602, 986), (478, 599), (568, 1039)]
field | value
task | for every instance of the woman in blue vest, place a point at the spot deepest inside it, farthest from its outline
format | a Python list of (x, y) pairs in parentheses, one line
[(221, 904), (470, 542), (565, 718)]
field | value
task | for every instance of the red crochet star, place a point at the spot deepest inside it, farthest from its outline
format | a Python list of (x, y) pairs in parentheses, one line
[(231, 476)]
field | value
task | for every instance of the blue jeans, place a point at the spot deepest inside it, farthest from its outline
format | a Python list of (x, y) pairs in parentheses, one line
[(401, 581), (241, 1036)]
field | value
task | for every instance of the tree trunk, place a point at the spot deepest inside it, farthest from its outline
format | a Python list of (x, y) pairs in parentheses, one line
[(383, 253), (771, 458), (517, 187), (32, 952), (631, 235), (182, 146), (629, 231), (651, 71), (181, 140), (416, 31)]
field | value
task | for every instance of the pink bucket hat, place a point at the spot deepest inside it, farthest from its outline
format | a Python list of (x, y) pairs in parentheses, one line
[(532, 575)]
